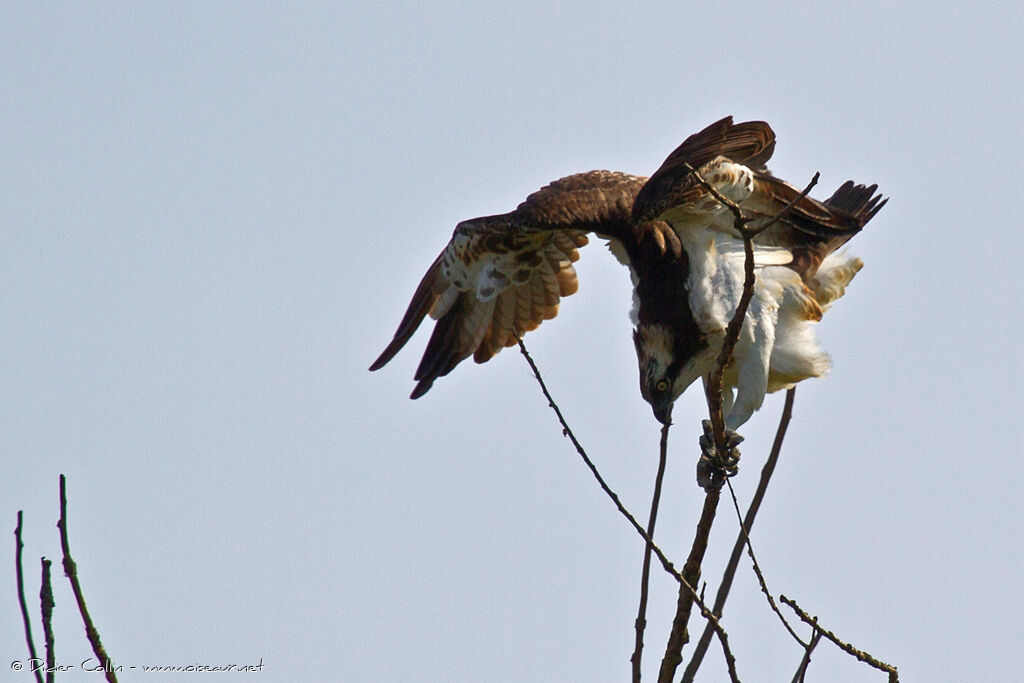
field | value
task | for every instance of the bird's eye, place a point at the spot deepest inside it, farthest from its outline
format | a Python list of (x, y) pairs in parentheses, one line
[(662, 385)]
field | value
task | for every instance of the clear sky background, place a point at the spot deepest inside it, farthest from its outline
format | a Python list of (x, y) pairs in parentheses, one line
[(212, 216)]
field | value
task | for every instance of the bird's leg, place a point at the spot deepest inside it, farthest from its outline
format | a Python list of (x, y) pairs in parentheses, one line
[(714, 467)]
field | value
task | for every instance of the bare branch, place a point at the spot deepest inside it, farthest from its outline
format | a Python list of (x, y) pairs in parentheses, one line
[(723, 637), (71, 571), (641, 615), (737, 550), (46, 603), (845, 647), (20, 580), (713, 388), (739, 220)]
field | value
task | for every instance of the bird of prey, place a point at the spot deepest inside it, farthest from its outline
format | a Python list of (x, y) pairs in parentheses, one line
[(500, 276)]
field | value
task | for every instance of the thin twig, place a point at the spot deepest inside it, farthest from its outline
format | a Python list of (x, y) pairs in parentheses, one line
[(801, 670), (737, 550), (723, 637), (19, 574), (740, 221), (793, 202), (665, 562), (71, 571), (641, 615), (757, 568), (845, 647), (729, 204), (46, 604)]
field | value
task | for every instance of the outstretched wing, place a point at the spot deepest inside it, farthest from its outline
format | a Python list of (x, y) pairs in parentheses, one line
[(501, 276)]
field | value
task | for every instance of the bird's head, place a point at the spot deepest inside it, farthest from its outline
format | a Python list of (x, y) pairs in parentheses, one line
[(665, 371)]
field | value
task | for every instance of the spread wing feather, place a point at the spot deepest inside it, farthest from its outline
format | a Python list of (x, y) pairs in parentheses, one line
[(502, 276)]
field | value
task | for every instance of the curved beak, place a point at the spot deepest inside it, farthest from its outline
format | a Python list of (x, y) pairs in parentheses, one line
[(662, 412)]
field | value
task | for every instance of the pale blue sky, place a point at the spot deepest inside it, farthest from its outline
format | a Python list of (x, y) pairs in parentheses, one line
[(212, 216)]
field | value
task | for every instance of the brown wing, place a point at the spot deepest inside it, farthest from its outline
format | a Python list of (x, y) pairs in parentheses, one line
[(750, 143), (501, 276)]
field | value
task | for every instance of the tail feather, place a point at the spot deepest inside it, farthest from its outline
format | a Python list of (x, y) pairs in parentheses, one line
[(856, 201)]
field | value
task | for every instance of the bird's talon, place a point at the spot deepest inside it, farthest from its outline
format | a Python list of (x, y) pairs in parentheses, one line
[(714, 467)]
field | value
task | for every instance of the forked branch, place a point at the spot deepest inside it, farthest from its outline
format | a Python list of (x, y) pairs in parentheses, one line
[(845, 647)]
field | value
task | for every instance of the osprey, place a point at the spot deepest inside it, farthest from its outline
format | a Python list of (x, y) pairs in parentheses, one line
[(501, 276)]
